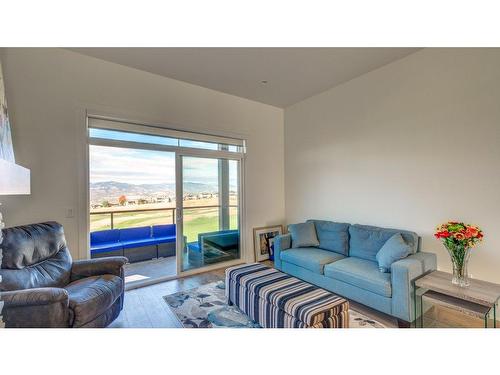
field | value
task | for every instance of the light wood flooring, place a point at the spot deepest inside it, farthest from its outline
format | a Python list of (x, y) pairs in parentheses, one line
[(145, 307)]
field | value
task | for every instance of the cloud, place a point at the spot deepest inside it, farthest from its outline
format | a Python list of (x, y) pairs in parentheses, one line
[(131, 165), (136, 166)]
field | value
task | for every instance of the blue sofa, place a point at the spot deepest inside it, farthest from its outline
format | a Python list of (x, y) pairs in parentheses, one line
[(345, 263), (137, 244)]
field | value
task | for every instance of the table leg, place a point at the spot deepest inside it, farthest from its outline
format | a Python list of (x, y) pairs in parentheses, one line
[(421, 312), (415, 305)]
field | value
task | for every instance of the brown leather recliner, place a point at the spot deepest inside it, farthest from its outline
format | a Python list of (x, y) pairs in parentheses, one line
[(42, 287)]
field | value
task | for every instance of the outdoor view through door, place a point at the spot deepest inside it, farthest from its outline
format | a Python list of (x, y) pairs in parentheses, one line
[(211, 234), (168, 203)]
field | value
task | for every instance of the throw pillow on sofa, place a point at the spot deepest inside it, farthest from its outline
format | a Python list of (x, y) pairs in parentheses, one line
[(393, 250), (303, 235)]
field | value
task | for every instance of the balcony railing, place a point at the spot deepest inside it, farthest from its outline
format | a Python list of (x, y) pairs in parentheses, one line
[(112, 213)]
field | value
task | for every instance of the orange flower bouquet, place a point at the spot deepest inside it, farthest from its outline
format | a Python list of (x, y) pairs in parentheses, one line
[(458, 238)]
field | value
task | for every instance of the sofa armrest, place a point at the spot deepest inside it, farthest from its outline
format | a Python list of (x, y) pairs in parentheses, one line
[(36, 308), (281, 243), (95, 267), (403, 273)]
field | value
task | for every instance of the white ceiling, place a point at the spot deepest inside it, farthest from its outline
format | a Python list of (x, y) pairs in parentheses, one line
[(292, 74)]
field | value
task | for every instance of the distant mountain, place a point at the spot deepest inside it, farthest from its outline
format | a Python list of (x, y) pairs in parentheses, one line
[(109, 190)]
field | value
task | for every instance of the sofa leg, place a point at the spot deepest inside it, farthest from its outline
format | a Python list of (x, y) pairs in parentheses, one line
[(403, 323)]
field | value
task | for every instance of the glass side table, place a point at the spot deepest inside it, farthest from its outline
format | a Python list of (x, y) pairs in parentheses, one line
[(477, 303)]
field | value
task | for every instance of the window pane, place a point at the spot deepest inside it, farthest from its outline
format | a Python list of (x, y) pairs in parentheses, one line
[(198, 144), (132, 137), (117, 135)]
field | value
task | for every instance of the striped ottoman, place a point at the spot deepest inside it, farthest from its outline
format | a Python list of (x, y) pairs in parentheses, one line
[(277, 300)]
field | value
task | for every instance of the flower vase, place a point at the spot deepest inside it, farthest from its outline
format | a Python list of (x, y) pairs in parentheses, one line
[(460, 258)]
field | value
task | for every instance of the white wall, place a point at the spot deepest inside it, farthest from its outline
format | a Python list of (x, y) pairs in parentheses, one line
[(410, 145), (48, 91)]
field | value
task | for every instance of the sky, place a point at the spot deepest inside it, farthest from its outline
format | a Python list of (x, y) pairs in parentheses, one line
[(134, 166)]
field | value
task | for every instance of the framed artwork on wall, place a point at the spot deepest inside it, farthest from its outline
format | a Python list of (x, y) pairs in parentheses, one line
[(263, 241)]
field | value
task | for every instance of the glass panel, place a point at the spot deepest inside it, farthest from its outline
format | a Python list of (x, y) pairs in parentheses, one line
[(234, 218), (198, 144), (133, 190), (117, 135), (209, 211), (233, 194), (138, 218), (132, 137), (99, 221)]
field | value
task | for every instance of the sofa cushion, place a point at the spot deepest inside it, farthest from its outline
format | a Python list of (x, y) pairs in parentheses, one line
[(166, 230), (105, 247), (92, 296), (361, 273), (332, 236), (139, 243), (165, 239), (366, 241), (310, 258), (393, 250), (303, 235), (134, 234), (104, 236)]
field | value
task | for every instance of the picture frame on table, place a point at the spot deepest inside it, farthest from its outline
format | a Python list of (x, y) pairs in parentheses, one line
[(263, 241)]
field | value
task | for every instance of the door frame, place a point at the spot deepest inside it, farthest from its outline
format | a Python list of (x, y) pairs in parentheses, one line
[(84, 239), (179, 220)]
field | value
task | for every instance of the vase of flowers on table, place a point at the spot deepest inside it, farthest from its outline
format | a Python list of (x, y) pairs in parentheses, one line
[(458, 238)]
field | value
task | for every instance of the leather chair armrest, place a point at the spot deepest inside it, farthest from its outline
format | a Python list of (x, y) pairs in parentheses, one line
[(96, 267), (36, 308)]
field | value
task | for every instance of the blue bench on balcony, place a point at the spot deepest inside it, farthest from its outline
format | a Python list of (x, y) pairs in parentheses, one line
[(165, 237), (137, 244), (105, 243)]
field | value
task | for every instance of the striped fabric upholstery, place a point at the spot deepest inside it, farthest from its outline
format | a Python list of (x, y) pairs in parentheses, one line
[(277, 300)]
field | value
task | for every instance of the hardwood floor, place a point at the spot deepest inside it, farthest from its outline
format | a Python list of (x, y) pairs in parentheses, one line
[(145, 307)]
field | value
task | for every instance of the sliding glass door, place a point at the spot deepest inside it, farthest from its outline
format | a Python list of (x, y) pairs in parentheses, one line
[(168, 200), (208, 205)]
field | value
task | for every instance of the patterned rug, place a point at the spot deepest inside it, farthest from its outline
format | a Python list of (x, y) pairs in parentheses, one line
[(205, 307)]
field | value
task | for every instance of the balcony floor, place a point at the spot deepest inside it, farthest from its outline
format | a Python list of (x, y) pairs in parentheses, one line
[(150, 269)]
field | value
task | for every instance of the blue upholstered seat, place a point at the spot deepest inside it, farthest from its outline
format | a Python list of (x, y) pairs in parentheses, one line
[(136, 237), (103, 241), (361, 273), (310, 258), (117, 240), (139, 243), (194, 246), (105, 247), (163, 231), (164, 239)]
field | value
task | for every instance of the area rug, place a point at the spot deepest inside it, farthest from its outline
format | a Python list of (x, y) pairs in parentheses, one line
[(205, 307)]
